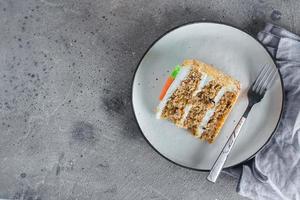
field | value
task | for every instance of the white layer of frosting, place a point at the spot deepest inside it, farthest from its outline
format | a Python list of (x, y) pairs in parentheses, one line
[(204, 81), (211, 111), (185, 114), (184, 72), (204, 122)]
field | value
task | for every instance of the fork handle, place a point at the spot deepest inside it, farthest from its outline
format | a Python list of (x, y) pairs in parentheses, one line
[(219, 163)]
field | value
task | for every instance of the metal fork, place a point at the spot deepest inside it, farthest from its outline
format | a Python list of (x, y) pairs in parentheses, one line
[(255, 94)]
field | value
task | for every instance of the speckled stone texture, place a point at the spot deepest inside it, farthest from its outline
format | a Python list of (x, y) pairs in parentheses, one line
[(67, 128)]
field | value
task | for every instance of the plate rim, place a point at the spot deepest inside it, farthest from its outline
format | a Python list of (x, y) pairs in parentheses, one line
[(207, 22)]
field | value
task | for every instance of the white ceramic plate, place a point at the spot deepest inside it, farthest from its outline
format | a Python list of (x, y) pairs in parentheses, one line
[(232, 51)]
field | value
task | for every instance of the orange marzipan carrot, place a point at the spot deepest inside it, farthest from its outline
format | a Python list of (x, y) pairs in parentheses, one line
[(166, 87)]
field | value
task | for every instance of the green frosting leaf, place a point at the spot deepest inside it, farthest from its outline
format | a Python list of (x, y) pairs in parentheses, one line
[(175, 71)]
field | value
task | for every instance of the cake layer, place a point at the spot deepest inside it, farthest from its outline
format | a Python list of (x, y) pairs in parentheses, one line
[(174, 109), (184, 72), (215, 123), (200, 103)]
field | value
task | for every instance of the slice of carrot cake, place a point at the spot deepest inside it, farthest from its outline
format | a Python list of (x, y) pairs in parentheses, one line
[(198, 97)]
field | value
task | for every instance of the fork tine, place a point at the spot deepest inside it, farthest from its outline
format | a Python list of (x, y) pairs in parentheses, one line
[(272, 79), (258, 79), (266, 80), (262, 79)]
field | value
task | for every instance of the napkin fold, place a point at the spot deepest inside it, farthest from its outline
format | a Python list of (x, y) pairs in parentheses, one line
[(274, 173)]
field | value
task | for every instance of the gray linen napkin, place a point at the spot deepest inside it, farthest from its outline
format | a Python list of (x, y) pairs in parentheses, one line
[(274, 173)]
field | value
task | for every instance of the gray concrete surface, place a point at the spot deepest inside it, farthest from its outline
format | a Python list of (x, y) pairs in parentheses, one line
[(67, 129)]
